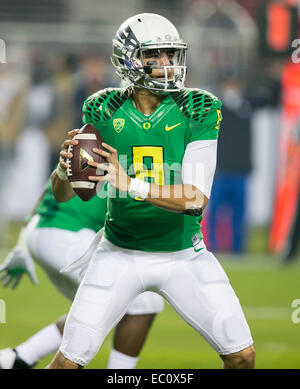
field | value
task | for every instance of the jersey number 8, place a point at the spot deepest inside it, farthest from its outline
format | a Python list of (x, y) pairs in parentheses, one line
[(144, 156)]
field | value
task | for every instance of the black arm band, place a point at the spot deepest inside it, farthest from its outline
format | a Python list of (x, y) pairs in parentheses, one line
[(193, 211)]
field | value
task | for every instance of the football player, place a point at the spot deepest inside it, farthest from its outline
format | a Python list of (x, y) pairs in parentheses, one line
[(160, 146), (56, 235)]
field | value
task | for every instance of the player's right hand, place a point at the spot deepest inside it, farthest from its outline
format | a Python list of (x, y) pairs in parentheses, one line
[(15, 265), (64, 148)]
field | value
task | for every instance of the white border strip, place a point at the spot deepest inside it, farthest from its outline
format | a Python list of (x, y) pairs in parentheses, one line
[(85, 137), (82, 185)]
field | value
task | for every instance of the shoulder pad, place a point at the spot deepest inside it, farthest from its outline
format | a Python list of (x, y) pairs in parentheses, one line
[(103, 104), (195, 104)]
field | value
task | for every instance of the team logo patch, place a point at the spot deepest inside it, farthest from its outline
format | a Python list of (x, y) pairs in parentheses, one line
[(83, 160), (118, 125), (146, 126)]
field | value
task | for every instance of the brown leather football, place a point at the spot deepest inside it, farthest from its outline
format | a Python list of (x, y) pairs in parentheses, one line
[(78, 169)]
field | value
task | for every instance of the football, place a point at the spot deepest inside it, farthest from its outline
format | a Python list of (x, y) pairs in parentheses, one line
[(78, 169)]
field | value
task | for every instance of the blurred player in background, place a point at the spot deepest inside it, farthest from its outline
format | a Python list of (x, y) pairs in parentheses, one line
[(13, 94), (56, 235), (229, 194), (167, 138)]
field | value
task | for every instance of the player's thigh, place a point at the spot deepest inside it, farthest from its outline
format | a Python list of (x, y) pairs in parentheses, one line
[(111, 282), (57, 247), (200, 292), (54, 248)]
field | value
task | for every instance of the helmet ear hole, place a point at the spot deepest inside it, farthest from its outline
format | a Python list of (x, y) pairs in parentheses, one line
[(121, 61), (148, 69)]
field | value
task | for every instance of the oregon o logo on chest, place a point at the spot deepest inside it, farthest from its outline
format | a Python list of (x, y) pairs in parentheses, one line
[(146, 125)]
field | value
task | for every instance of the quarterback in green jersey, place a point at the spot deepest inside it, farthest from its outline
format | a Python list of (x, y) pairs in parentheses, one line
[(56, 235), (160, 147)]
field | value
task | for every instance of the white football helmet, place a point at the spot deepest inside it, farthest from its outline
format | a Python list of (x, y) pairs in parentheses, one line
[(131, 47)]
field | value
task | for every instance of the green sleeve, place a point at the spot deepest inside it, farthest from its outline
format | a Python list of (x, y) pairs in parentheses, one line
[(207, 128)]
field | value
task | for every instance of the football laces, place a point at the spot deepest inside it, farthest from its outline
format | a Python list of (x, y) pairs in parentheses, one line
[(68, 162)]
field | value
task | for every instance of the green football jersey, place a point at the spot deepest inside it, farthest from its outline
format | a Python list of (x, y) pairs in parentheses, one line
[(151, 148), (74, 214)]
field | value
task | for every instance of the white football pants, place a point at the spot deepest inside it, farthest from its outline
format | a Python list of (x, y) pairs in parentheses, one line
[(54, 248), (195, 284)]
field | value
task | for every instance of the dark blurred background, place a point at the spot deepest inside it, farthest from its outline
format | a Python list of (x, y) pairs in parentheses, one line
[(244, 51)]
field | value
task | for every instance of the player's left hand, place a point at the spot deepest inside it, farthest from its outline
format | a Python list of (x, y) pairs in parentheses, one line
[(116, 175), (15, 265)]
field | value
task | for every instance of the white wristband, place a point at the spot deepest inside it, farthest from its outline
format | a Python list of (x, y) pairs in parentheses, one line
[(138, 188), (62, 174)]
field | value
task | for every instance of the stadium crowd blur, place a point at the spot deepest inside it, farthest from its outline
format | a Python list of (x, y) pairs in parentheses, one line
[(57, 54)]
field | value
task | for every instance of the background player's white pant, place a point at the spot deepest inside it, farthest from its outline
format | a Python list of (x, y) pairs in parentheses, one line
[(54, 248), (193, 283)]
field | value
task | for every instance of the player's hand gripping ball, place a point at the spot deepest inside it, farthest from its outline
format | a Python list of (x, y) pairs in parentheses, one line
[(78, 169)]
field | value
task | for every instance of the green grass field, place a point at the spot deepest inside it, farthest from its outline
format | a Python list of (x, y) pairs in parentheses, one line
[(265, 287)]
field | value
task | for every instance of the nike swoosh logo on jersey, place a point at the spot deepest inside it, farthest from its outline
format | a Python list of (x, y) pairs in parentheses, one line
[(167, 128)]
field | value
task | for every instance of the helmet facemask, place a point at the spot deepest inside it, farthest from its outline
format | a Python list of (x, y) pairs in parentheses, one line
[(140, 67), (171, 64)]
